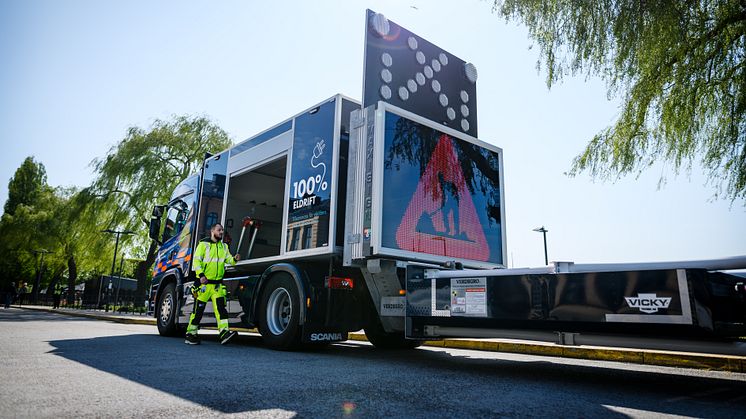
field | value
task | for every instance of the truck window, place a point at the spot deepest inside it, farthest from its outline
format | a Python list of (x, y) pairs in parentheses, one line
[(212, 193), (212, 218), (178, 211)]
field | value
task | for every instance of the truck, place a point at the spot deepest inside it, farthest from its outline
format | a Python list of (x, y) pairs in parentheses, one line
[(388, 216)]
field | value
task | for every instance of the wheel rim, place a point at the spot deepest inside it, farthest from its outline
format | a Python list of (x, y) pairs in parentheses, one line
[(279, 311), (166, 307)]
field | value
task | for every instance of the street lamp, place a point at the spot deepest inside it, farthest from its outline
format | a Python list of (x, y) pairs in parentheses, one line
[(113, 263), (119, 285), (543, 231), (41, 252)]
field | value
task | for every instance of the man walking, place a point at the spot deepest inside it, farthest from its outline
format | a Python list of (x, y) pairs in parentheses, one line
[(10, 293), (209, 267), (22, 293), (57, 294)]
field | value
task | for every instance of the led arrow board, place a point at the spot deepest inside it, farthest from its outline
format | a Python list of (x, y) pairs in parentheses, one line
[(405, 70)]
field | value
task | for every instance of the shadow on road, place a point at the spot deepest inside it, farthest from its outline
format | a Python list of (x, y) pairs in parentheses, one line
[(15, 314), (245, 377)]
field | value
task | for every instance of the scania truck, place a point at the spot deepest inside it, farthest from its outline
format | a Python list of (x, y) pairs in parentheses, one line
[(388, 216)]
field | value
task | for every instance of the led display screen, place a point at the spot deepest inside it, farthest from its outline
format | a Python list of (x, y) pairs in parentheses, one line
[(441, 194)]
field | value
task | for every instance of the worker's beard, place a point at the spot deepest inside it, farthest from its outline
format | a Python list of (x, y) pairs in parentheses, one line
[(217, 237)]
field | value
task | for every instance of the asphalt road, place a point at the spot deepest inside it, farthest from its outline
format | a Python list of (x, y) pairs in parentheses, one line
[(59, 366)]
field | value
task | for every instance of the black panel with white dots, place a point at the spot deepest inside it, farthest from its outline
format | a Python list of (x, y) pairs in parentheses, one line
[(407, 71)]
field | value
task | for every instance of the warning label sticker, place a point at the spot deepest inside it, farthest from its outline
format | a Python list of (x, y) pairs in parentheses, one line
[(469, 297)]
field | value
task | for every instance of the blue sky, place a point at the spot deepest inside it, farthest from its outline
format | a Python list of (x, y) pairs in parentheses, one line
[(76, 74)]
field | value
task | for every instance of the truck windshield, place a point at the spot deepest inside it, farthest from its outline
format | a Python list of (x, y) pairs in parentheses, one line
[(178, 211)]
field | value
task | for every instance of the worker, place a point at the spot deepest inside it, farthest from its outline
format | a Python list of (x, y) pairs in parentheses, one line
[(209, 267), (22, 293), (57, 294)]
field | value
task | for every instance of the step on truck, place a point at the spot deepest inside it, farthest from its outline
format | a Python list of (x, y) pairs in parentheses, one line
[(388, 216)]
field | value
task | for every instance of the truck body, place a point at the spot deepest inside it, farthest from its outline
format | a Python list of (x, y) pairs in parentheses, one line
[(388, 216)]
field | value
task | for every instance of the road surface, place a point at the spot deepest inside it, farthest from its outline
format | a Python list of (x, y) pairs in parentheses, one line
[(59, 366)]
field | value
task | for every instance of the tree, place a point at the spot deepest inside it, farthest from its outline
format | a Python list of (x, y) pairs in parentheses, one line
[(18, 226), (680, 67), (144, 168), (59, 221), (73, 227), (26, 185)]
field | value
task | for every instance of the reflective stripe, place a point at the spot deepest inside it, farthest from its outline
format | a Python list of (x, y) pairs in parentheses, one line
[(213, 267)]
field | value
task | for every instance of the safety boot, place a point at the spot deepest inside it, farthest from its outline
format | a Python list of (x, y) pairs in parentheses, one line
[(226, 335), (192, 339)]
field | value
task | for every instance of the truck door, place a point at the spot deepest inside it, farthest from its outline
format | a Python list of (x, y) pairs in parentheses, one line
[(211, 196)]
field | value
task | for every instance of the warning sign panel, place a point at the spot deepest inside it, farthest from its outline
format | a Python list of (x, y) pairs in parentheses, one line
[(469, 297), (441, 194), (443, 204)]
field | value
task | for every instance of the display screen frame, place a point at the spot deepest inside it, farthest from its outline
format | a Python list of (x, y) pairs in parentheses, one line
[(378, 175)]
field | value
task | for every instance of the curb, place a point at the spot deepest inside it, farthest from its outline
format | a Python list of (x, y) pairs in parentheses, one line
[(730, 363), (112, 318)]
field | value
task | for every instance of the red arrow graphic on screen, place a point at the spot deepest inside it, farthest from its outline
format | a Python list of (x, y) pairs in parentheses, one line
[(441, 218)]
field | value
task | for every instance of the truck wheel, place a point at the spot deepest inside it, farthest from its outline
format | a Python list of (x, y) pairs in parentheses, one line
[(165, 312), (279, 313), (382, 339)]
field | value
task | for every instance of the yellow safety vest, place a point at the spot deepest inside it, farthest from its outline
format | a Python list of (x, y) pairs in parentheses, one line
[(210, 259)]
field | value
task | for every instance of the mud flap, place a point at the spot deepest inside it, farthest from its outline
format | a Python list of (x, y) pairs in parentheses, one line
[(322, 335)]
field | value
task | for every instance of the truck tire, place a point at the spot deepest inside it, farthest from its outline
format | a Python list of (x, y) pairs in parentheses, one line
[(382, 339), (165, 312), (279, 313)]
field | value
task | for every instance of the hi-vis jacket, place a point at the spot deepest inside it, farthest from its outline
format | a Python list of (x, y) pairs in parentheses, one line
[(210, 259)]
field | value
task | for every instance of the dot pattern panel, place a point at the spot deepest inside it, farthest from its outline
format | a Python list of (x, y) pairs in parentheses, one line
[(424, 78)]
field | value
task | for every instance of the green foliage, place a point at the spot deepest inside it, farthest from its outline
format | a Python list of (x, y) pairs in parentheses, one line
[(143, 169), (54, 220), (680, 67), (139, 172), (26, 184)]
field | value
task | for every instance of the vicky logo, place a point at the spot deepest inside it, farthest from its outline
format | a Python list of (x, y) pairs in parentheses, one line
[(648, 303)]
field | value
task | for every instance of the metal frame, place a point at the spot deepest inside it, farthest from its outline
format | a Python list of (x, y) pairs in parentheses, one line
[(200, 184), (724, 264), (378, 160)]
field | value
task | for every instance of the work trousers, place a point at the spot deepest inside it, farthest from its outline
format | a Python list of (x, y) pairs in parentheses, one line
[(207, 292)]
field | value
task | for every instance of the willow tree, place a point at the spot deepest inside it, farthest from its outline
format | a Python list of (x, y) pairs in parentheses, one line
[(71, 223), (143, 169), (679, 66)]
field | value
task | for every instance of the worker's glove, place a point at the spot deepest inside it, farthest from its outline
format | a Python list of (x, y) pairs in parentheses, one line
[(195, 289)]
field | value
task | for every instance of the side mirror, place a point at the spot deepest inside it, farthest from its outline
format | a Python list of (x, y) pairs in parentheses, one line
[(158, 211), (155, 223)]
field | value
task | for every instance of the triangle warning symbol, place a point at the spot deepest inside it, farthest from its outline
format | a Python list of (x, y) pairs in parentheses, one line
[(441, 218)]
